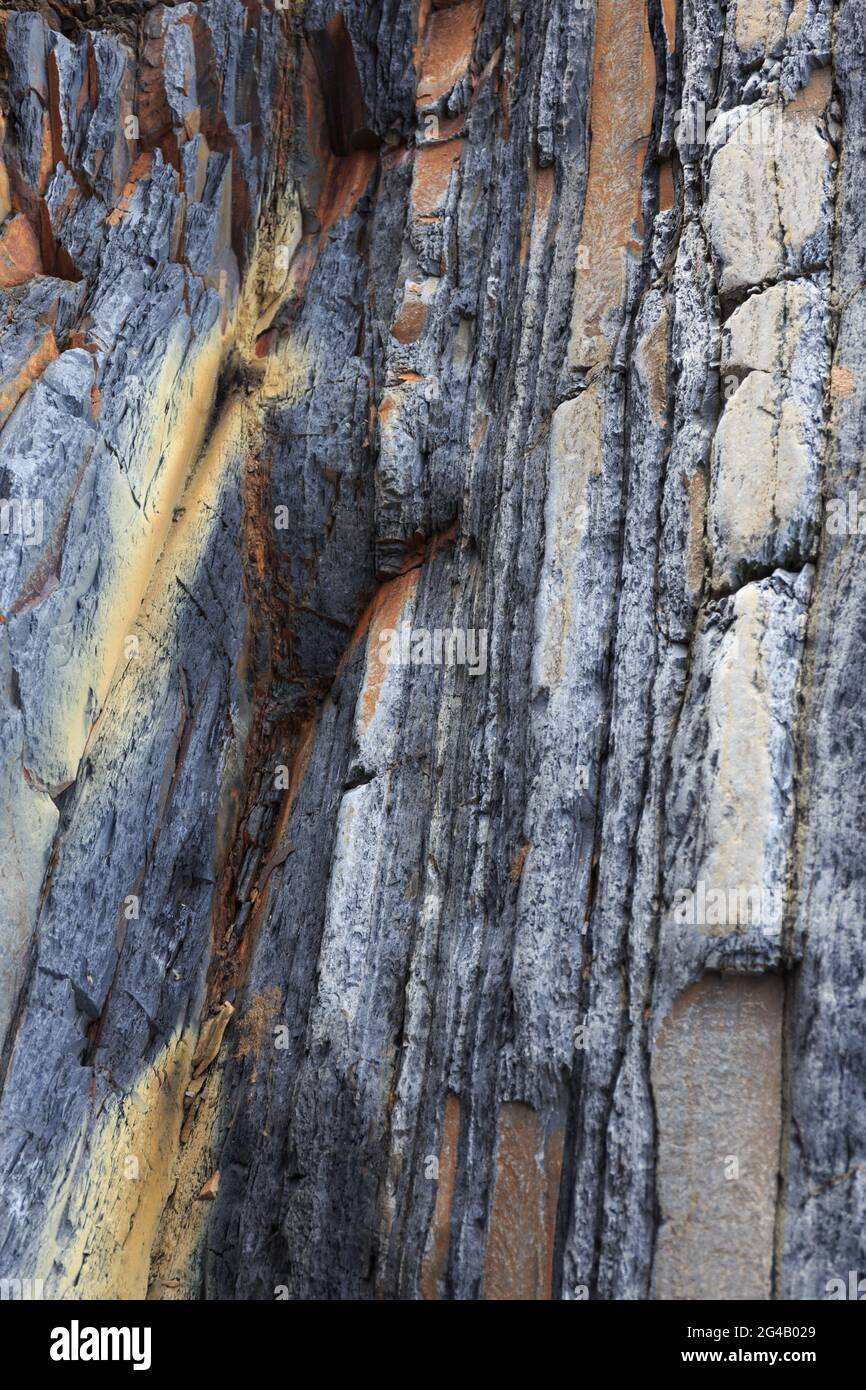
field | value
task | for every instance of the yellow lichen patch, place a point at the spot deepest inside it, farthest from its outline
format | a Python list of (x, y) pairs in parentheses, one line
[(271, 277), (158, 607), (623, 96), (288, 372), (438, 1241), (518, 1263), (174, 433), (179, 418), (178, 1239), (118, 1185)]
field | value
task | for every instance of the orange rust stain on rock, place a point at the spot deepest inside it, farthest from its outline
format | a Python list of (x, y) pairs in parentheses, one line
[(436, 1257), (717, 1085), (409, 323), (300, 765), (154, 113), (44, 351), (424, 9), (387, 612), (842, 383), (359, 634), (47, 161), (345, 182), (19, 253), (518, 862), (334, 183), (813, 99), (433, 168), (387, 406), (209, 1192), (450, 126), (140, 170), (424, 549), (5, 191), (666, 185), (427, 548), (299, 768), (545, 185), (256, 538), (537, 210), (518, 1264), (669, 18), (264, 343), (316, 124), (623, 96), (447, 52)]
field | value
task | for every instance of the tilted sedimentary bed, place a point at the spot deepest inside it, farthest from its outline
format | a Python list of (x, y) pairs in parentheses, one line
[(431, 659)]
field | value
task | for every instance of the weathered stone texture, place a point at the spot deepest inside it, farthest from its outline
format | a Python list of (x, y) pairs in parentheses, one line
[(430, 680)]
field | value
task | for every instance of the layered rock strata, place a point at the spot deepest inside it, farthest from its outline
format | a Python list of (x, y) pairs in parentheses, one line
[(430, 679)]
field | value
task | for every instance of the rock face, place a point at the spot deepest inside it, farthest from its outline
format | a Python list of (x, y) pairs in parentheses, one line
[(432, 555)]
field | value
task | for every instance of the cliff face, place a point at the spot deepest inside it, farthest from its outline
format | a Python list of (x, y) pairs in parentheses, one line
[(430, 658)]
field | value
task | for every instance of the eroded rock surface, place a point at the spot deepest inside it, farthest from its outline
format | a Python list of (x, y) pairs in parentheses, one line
[(430, 683)]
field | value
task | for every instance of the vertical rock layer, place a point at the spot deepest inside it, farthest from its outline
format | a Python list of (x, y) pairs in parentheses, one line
[(430, 451)]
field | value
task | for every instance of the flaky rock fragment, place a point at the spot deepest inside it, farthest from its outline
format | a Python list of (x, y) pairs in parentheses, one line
[(770, 190), (768, 447), (731, 798)]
